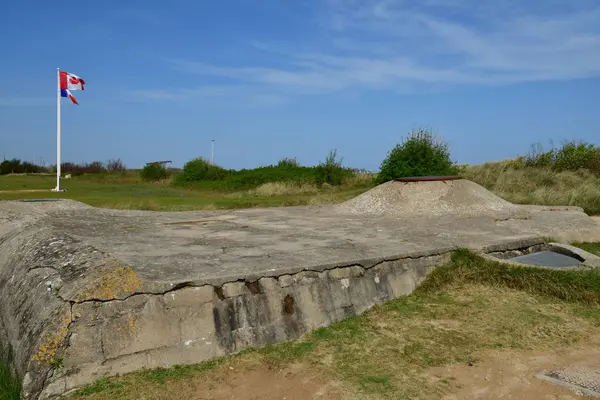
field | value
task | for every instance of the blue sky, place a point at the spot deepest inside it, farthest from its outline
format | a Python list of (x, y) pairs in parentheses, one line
[(271, 79)]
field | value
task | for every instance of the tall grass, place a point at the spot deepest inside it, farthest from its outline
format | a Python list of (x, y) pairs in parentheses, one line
[(9, 386), (538, 185), (469, 268)]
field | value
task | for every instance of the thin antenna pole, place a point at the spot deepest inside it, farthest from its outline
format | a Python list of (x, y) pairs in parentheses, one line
[(212, 157)]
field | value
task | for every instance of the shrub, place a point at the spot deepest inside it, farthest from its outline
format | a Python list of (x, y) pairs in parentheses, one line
[(154, 172), (16, 166), (288, 163), (330, 171), (572, 156), (95, 167), (115, 166), (252, 178), (420, 154), (10, 166), (199, 169)]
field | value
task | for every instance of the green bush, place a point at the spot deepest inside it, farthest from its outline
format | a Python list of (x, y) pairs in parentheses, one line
[(572, 156), (331, 171), (198, 170), (16, 166), (420, 154), (251, 178), (154, 172), (288, 163)]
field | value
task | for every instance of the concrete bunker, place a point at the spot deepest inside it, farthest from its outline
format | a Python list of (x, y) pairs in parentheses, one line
[(81, 286)]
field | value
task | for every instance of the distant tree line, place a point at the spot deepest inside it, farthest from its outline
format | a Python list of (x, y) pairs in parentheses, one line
[(16, 166)]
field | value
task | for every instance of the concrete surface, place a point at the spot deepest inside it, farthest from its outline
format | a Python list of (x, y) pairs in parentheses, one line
[(87, 292)]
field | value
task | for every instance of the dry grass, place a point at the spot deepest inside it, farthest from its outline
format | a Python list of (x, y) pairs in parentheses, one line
[(281, 189), (538, 185), (303, 188)]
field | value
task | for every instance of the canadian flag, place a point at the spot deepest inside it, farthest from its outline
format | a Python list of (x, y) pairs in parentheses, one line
[(70, 82)]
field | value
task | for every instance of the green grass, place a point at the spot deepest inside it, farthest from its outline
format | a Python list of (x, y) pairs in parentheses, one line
[(129, 192), (461, 310), (467, 268), (593, 248), (9, 386)]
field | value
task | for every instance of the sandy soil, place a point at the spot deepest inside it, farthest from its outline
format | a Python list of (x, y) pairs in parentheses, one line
[(496, 375), (297, 382), (511, 375)]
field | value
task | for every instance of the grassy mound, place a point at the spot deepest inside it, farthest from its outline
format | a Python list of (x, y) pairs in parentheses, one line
[(522, 184)]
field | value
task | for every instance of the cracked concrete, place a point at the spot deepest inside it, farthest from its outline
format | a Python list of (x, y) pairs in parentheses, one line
[(88, 292)]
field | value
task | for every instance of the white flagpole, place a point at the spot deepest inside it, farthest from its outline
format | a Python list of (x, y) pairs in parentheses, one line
[(57, 189)]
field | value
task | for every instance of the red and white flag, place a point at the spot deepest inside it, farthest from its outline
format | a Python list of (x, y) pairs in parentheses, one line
[(70, 82)]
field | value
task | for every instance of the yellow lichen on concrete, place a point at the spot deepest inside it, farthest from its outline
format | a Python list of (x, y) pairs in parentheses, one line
[(48, 349), (119, 281)]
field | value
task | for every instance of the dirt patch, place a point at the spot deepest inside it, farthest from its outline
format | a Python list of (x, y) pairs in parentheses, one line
[(25, 191), (260, 383), (252, 382), (597, 219), (511, 374)]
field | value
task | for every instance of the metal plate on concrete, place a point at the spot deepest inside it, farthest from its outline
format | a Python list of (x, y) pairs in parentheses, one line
[(427, 178), (547, 259), (39, 201), (582, 381)]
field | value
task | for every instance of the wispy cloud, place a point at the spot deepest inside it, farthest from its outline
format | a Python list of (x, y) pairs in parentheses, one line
[(396, 44), (248, 95), (26, 101)]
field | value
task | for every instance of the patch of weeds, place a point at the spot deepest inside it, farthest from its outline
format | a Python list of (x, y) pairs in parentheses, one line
[(593, 248), (590, 313), (103, 385), (436, 347), (160, 375), (286, 352), (376, 384), (469, 268), (347, 329), (57, 363), (10, 389)]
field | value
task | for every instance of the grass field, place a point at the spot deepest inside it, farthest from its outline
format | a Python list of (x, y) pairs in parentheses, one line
[(127, 191), (461, 313), (521, 185)]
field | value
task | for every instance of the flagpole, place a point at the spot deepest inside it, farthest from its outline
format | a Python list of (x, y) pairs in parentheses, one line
[(57, 189)]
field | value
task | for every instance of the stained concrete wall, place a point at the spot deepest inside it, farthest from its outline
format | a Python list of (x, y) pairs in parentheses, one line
[(65, 334), (192, 324)]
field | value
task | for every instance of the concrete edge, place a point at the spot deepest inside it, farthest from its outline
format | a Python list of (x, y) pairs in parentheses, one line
[(577, 389)]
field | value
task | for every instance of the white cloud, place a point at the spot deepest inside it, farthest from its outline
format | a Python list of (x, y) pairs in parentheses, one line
[(394, 44)]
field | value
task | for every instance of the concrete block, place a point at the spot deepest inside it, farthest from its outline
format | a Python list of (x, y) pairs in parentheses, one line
[(235, 289)]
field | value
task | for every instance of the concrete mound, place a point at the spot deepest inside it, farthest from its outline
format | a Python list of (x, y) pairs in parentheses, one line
[(430, 198)]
